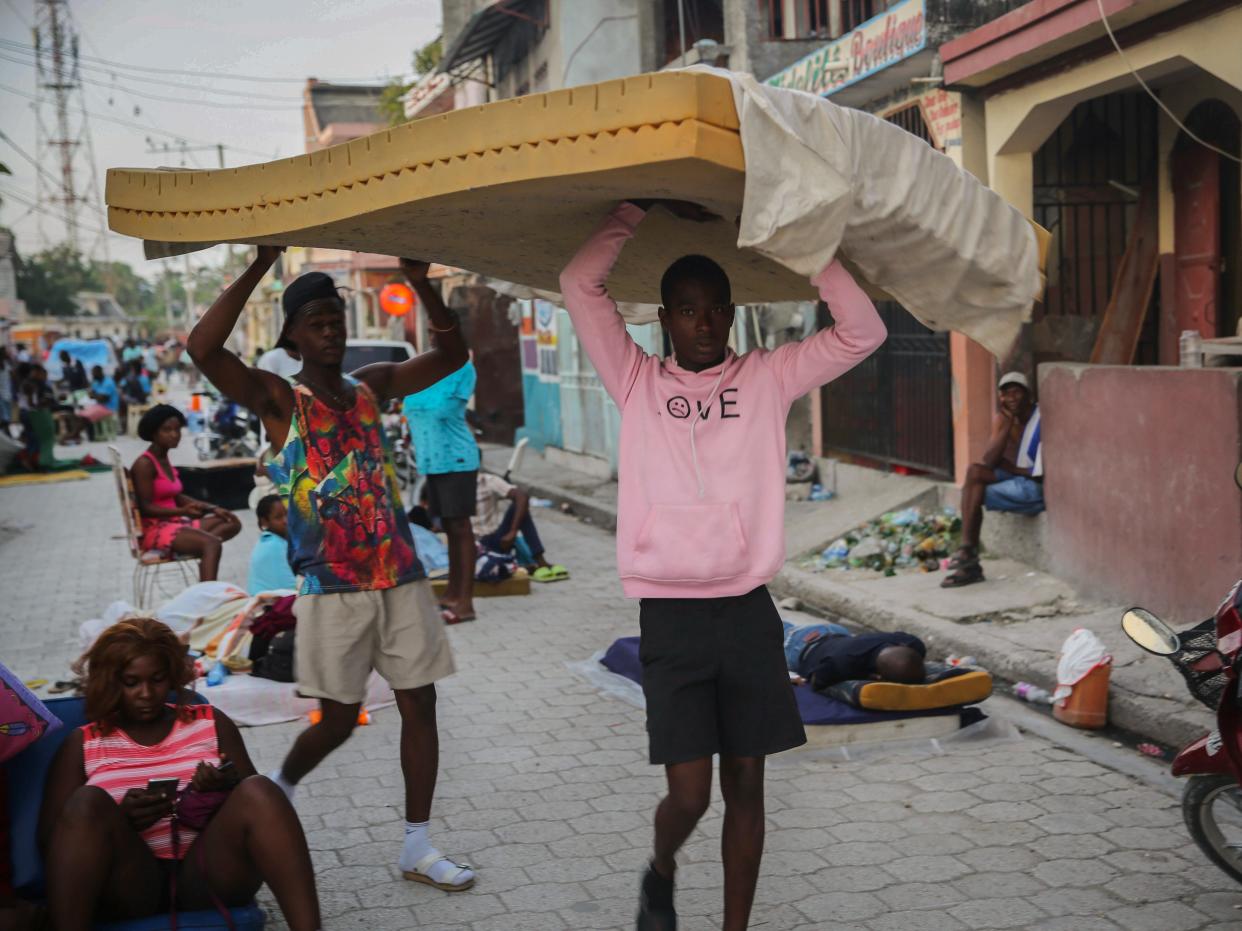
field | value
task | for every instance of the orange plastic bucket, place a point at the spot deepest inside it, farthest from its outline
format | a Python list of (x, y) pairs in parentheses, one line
[(196, 402), (1087, 705)]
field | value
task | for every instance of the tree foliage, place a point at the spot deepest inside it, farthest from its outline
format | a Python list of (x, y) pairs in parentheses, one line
[(48, 282), (425, 61)]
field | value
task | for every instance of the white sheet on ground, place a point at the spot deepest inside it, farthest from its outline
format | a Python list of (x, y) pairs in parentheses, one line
[(252, 702)]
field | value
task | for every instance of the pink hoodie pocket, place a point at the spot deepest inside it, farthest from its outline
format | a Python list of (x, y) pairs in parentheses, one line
[(691, 543)]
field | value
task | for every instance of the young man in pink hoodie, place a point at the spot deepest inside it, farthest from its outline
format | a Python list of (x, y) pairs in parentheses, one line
[(700, 531)]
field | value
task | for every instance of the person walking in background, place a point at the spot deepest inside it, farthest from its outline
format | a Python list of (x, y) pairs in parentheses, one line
[(448, 456), (364, 603), (700, 531)]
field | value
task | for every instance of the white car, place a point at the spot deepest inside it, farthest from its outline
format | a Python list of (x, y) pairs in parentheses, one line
[(360, 352)]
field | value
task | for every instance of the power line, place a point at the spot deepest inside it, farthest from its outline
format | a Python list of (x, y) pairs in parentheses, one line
[(158, 82), (28, 157), (217, 75), (1125, 60), (35, 205), (182, 100), (130, 124), (18, 13)]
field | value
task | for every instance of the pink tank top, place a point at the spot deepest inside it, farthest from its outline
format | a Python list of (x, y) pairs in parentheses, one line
[(116, 764), (164, 490)]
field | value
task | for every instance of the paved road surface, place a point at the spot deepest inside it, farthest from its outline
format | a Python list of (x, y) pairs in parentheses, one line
[(544, 784)]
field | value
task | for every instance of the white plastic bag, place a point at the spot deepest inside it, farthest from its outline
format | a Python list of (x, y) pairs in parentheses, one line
[(1081, 652)]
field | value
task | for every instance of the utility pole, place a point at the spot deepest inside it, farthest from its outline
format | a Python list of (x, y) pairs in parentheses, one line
[(62, 129)]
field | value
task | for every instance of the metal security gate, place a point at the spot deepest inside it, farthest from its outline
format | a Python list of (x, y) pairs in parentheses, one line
[(1087, 179), (896, 406)]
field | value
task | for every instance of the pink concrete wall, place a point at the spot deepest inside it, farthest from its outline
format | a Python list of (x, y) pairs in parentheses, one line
[(1142, 505)]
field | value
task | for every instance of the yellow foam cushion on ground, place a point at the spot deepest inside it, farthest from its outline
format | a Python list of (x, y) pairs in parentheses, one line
[(965, 689), (509, 189)]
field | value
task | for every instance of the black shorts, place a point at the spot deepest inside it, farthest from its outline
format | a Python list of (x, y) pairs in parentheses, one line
[(452, 494), (715, 678)]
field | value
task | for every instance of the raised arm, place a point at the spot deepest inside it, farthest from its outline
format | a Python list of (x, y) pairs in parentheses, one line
[(856, 333), (398, 379), (260, 391), (594, 313)]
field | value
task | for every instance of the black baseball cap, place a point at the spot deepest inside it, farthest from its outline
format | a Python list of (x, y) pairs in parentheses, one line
[(304, 290)]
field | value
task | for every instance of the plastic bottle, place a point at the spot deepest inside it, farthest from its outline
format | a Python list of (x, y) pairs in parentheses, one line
[(1190, 349), (1032, 693), (217, 675)]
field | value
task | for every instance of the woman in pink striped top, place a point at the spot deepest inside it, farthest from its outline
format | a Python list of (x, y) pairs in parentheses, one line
[(111, 847)]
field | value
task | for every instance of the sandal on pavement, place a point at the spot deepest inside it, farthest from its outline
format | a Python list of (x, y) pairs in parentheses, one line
[(550, 574), (966, 575), (420, 873), (962, 558), (449, 616), (559, 573)]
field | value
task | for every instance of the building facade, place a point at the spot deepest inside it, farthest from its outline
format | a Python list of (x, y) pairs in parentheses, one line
[(1120, 135)]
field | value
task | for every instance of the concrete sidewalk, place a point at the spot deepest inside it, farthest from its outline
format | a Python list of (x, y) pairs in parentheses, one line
[(1014, 623)]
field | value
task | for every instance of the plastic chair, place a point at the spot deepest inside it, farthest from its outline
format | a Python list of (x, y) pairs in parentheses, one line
[(147, 565), (26, 775), (105, 428)]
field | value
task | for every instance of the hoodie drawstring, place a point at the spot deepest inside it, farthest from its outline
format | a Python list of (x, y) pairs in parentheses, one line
[(694, 454)]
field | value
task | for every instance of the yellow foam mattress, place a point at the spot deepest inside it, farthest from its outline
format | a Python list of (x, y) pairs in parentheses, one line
[(509, 189)]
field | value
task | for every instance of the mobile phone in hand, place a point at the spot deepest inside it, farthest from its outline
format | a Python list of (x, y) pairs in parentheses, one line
[(165, 787)]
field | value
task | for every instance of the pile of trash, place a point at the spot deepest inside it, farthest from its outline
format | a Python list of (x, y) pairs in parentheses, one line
[(897, 540)]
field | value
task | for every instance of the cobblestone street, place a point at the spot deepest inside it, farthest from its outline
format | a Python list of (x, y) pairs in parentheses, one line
[(544, 784)]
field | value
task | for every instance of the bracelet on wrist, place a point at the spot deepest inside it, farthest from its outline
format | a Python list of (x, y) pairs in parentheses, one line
[(435, 329)]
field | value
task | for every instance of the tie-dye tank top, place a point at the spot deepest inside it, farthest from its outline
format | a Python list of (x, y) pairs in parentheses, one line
[(347, 529)]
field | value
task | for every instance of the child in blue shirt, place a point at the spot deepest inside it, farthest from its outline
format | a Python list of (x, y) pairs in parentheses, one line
[(269, 561)]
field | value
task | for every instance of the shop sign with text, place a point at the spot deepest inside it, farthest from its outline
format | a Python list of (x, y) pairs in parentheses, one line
[(883, 40)]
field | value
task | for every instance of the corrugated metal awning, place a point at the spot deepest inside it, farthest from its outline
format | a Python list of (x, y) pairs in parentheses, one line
[(483, 32)]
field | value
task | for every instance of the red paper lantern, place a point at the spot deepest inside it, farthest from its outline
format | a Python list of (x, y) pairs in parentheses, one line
[(396, 299)]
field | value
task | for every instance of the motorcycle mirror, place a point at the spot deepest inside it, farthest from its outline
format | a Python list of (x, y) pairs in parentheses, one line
[(1150, 633)]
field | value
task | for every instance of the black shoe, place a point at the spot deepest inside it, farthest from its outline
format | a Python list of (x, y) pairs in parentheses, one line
[(655, 903)]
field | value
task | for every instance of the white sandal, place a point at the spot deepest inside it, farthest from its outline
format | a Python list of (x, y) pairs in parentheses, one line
[(419, 873)]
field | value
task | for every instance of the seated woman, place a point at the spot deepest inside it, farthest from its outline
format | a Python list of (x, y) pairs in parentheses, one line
[(110, 848), (171, 521)]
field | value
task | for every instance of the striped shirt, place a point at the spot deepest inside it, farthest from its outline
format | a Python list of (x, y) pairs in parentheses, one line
[(116, 764)]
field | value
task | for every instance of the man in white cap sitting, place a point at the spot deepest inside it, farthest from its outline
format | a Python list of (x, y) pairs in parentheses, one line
[(1009, 478)]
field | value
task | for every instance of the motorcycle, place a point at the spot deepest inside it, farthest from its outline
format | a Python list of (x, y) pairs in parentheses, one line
[(1209, 658), (231, 433)]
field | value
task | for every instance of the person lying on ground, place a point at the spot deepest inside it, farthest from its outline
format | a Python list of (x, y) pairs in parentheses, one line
[(364, 602), (502, 518), (173, 522), (110, 847), (1010, 477), (890, 657), (700, 533), (269, 560)]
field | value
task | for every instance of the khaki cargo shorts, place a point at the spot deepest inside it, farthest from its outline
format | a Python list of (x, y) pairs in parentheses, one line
[(342, 636)]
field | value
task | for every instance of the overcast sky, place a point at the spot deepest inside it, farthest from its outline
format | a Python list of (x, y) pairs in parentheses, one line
[(341, 40)]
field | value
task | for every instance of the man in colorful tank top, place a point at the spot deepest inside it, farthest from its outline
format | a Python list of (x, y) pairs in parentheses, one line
[(365, 603)]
